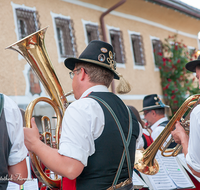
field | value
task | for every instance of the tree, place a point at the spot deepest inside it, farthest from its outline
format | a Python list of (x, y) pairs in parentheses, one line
[(177, 83)]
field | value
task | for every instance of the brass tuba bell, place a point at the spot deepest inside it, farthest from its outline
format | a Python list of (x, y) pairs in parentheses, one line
[(32, 48)]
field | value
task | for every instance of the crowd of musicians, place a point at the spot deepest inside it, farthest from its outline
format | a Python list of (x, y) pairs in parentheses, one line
[(100, 134)]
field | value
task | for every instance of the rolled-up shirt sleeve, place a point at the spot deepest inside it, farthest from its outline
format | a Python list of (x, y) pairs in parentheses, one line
[(82, 123), (193, 155), (14, 124)]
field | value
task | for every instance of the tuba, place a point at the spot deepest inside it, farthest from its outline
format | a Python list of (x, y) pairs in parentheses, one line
[(145, 161), (32, 48)]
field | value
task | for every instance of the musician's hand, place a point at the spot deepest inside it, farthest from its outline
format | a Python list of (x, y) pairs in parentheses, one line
[(179, 133), (31, 136)]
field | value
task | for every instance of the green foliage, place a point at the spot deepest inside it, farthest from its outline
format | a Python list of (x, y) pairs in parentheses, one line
[(177, 83)]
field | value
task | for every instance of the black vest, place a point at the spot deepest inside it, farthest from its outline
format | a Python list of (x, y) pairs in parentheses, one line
[(5, 146), (103, 164)]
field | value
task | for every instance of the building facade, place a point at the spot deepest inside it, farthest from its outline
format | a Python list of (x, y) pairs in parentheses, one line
[(134, 28)]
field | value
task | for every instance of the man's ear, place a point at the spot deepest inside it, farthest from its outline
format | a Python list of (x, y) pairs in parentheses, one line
[(83, 74)]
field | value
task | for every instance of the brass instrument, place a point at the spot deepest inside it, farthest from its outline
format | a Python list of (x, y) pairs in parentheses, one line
[(145, 161), (32, 48)]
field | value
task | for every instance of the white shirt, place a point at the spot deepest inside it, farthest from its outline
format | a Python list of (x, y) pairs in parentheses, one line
[(193, 155), (157, 130), (140, 144), (83, 122), (14, 124)]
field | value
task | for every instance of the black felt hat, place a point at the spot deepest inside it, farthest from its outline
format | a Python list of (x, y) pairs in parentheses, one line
[(191, 66), (97, 52), (152, 101)]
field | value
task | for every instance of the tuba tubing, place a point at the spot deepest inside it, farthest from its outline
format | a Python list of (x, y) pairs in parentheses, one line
[(32, 48)]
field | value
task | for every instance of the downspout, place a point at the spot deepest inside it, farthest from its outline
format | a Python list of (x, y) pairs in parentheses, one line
[(104, 31)]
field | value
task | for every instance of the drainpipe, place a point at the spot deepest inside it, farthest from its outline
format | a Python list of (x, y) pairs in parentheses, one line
[(104, 31)]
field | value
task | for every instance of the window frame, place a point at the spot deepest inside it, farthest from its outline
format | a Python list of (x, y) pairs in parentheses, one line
[(110, 28), (61, 58), (85, 23), (154, 38), (136, 66), (17, 6)]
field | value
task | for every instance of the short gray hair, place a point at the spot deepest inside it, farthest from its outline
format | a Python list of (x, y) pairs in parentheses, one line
[(97, 73)]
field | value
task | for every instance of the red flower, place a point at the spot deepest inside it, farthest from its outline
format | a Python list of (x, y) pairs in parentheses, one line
[(176, 47), (175, 101), (164, 64), (169, 80), (173, 96), (159, 53), (173, 91), (166, 87), (178, 61)]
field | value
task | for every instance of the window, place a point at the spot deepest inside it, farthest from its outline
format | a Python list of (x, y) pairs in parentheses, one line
[(27, 22), (65, 37), (138, 50), (92, 32), (157, 49), (118, 47), (191, 51)]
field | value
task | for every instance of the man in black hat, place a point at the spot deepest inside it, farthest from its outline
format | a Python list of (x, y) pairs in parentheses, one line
[(91, 146), (154, 113), (190, 143)]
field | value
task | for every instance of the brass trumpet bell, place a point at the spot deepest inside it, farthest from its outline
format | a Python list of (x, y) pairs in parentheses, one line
[(145, 161)]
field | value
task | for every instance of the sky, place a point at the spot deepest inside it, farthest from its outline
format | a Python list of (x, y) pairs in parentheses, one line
[(194, 3)]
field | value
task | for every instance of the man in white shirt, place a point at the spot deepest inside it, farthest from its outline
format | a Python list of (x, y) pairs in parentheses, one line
[(90, 145), (12, 148), (190, 143), (154, 113)]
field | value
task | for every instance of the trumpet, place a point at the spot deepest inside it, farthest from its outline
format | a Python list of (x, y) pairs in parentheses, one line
[(32, 48), (145, 161)]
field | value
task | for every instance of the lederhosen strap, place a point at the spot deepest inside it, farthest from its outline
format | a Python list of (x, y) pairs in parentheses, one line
[(1, 103), (125, 141)]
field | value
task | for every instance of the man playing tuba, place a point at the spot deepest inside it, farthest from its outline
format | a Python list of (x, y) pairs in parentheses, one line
[(91, 146)]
